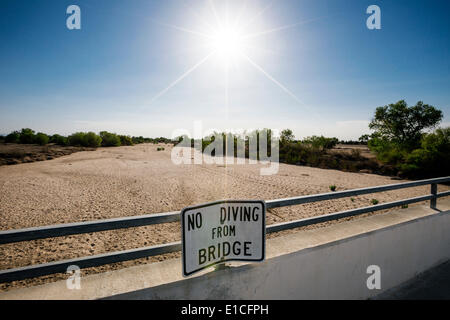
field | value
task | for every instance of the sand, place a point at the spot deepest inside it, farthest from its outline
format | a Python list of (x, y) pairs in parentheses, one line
[(136, 180)]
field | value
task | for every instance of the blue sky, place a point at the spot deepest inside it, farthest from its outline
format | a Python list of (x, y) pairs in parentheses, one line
[(324, 74)]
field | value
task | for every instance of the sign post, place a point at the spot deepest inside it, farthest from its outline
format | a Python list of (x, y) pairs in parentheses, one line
[(221, 231)]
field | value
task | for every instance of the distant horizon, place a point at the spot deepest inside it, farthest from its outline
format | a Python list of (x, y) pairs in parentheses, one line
[(149, 68), (296, 137)]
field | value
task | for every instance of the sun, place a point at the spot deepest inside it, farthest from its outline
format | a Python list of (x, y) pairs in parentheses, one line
[(227, 42), (231, 35)]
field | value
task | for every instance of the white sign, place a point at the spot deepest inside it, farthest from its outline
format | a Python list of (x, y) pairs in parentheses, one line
[(222, 231)]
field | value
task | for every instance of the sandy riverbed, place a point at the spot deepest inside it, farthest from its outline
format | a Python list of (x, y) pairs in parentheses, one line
[(127, 181)]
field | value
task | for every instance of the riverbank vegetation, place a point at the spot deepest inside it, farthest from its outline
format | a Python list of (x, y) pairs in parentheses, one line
[(78, 139), (405, 141)]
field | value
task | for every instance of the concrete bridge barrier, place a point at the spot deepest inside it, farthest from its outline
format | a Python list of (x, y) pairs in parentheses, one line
[(330, 262)]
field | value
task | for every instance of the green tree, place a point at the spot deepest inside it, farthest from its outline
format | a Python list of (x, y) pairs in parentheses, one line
[(403, 125), (109, 139), (286, 136), (82, 139), (321, 142), (58, 139), (13, 137), (26, 136), (137, 140), (92, 140), (125, 140), (432, 158), (364, 138), (77, 139), (41, 139)]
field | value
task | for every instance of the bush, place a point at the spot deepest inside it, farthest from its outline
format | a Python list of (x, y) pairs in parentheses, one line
[(125, 140), (27, 136), (160, 149), (321, 142), (81, 139), (333, 188), (59, 140), (356, 154), (13, 137), (92, 140), (386, 151), (137, 140), (109, 139), (374, 201), (41, 139), (77, 139), (431, 158)]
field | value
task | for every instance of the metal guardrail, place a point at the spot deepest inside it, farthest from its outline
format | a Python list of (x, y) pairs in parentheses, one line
[(28, 234)]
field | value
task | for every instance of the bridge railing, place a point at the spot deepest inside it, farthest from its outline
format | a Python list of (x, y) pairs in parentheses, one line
[(28, 234)]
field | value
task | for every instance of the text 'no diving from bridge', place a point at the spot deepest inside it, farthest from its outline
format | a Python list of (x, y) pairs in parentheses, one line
[(232, 230)]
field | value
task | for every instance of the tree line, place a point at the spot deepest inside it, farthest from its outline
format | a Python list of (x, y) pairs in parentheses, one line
[(78, 139), (406, 141)]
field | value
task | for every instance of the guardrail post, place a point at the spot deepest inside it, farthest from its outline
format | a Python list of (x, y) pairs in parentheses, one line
[(434, 193)]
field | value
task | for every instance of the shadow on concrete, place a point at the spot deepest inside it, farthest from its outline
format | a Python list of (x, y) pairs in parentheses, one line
[(431, 284)]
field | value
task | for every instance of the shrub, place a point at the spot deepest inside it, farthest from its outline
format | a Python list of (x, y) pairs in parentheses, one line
[(81, 139), (59, 140), (41, 139), (26, 136), (333, 188), (77, 139), (356, 154), (431, 158), (109, 139), (160, 149), (386, 151), (137, 140), (321, 142), (13, 137), (92, 140), (374, 201), (125, 140)]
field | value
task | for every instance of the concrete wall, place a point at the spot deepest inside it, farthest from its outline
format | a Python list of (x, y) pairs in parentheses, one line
[(334, 270)]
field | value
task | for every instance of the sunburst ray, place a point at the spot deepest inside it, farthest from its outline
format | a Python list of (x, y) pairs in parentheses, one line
[(184, 75), (271, 78), (289, 26)]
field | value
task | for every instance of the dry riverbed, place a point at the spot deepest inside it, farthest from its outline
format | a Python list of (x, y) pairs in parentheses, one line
[(136, 180)]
